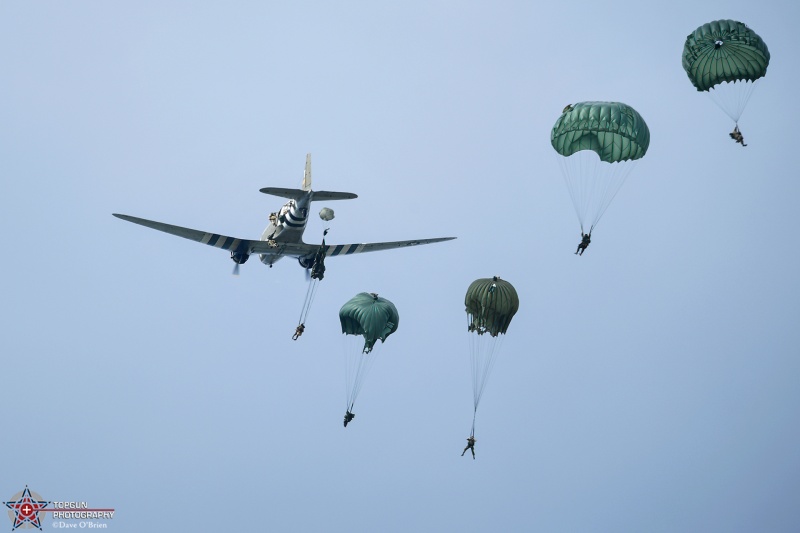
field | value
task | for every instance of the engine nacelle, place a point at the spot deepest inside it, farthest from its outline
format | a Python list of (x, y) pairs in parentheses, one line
[(306, 261), (240, 258)]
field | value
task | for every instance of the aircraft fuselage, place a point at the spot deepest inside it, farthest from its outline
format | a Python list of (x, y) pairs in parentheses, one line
[(286, 225)]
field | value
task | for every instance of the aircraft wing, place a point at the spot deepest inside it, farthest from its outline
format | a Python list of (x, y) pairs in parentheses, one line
[(347, 249), (211, 239), (280, 248), (301, 249)]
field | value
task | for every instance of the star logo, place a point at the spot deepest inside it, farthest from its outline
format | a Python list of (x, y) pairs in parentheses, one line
[(25, 507)]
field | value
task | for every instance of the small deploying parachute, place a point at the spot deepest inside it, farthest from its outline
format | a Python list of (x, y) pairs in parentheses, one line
[(597, 146), (374, 318), (326, 214), (490, 303), (725, 58)]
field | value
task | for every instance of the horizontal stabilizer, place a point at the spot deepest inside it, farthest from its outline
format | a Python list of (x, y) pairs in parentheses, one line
[(296, 194), (329, 195)]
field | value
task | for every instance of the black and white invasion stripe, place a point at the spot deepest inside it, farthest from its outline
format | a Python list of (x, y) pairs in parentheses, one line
[(344, 249), (296, 217), (221, 241)]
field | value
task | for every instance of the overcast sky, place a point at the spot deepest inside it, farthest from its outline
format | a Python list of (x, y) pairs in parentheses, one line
[(649, 385)]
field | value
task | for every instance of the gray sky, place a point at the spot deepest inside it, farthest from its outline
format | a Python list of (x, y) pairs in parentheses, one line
[(650, 385)]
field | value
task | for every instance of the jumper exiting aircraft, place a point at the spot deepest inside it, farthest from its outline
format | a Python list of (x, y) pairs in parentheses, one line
[(284, 235)]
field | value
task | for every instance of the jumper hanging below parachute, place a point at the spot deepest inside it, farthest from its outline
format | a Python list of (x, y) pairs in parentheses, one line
[(490, 303), (726, 59), (373, 318), (598, 144)]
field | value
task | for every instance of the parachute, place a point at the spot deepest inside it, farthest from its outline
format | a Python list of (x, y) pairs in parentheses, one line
[(597, 146), (726, 58), (490, 303), (326, 214), (373, 318)]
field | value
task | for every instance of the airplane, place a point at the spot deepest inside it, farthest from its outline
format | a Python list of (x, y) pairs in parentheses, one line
[(283, 237)]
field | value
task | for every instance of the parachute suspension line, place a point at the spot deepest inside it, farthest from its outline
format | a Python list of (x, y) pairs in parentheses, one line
[(315, 276), (359, 370), (357, 367), (483, 352), (732, 97), (484, 364), (572, 173), (592, 184), (579, 172), (350, 370), (619, 174), (310, 293)]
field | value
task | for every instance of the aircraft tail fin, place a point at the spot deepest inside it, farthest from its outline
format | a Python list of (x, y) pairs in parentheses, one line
[(305, 188), (306, 185)]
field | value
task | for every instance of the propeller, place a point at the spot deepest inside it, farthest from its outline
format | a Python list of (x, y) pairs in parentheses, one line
[(239, 257), (308, 274)]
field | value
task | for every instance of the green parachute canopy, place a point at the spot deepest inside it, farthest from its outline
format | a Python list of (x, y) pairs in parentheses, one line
[(724, 51), (490, 303), (615, 131), (370, 316), (598, 144)]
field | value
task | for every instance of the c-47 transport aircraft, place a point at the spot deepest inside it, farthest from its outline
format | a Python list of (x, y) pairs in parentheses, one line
[(283, 237)]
